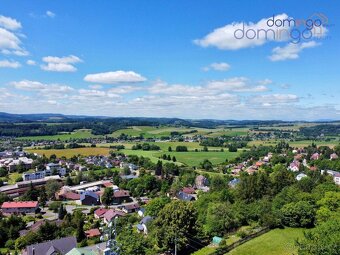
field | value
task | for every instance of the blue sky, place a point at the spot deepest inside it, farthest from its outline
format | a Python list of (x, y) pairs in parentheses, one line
[(169, 59)]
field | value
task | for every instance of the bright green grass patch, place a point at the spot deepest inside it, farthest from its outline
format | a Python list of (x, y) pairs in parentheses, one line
[(277, 241), (11, 178), (195, 158), (78, 134), (205, 251)]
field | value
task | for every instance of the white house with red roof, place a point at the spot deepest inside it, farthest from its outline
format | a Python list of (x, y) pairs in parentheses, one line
[(19, 207)]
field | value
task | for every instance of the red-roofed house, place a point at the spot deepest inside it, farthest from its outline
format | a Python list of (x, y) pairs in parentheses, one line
[(19, 207), (92, 233), (111, 214), (99, 213), (188, 190), (315, 156)]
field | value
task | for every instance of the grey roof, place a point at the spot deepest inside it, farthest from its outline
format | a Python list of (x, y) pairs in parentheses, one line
[(63, 246), (145, 220), (184, 196)]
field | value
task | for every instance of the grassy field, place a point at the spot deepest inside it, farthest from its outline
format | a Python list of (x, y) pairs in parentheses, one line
[(80, 133), (157, 132), (302, 143), (68, 153), (277, 241)]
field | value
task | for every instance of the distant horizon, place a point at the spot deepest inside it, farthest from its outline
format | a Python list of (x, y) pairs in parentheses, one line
[(153, 117)]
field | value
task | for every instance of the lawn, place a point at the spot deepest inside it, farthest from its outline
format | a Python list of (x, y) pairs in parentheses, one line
[(68, 153), (11, 178), (190, 158), (78, 134), (277, 241)]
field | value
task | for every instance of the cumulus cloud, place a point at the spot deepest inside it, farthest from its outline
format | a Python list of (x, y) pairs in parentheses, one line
[(60, 64), (38, 86), (238, 35), (231, 85), (9, 64), (115, 77), (31, 62), (291, 50), (217, 67), (50, 14), (274, 99), (10, 43), (9, 23)]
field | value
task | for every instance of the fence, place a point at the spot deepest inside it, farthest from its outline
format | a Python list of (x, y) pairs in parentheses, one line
[(225, 249)]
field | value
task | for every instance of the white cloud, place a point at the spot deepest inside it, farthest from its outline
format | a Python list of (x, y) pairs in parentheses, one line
[(291, 50), (217, 67), (279, 28), (10, 43), (31, 62), (274, 99), (231, 37), (37, 86), (50, 14), (115, 77), (236, 85), (9, 23), (9, 64), (60, 64), (96, 86), (124, 89)]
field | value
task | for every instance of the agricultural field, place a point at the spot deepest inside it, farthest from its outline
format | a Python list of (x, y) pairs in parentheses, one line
[(68, 153), (190, 158), (302, 143), (277, 241), (158, 132), (78, 134)]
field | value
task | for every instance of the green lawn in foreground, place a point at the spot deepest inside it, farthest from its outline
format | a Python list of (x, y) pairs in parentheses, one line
[(275, 242)]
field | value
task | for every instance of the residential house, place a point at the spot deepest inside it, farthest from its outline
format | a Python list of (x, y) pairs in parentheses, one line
[(201, 181), (99, 213), (89, 198), (92, 233), (334, 174), (294, 166), (333, 156), (234, 182), (185, 197), (111, 214), (142, 226), (57, 246), (130, 208), (19, 207), (81, 251), (315, 156), (188, 190), (120, 196)]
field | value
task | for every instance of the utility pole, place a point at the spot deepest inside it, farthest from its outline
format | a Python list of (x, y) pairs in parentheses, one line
[(176, 244)]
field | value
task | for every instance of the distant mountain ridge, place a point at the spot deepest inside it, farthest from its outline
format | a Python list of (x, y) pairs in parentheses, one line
[(56, 117)]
